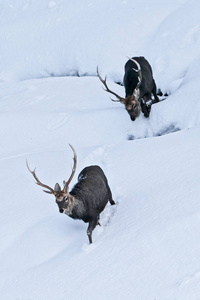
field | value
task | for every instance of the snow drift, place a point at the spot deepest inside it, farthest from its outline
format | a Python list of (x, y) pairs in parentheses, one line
[(148, 244)]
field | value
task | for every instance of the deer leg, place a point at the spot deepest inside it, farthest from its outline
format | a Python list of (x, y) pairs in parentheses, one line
[(112, 202), (98, 218), (92, 225), (156, 99), (145, 108)]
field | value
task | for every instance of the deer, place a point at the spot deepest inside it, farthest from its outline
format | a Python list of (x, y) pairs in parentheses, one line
[(88, 197), (139, 86)]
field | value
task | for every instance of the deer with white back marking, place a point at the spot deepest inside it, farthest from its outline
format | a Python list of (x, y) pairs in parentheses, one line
[(139, 85), (88, 197)]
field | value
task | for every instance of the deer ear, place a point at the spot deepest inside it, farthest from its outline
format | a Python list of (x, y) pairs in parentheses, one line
[(57, 188)]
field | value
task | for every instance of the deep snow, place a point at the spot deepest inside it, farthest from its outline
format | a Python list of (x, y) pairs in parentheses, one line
[(148, 244)]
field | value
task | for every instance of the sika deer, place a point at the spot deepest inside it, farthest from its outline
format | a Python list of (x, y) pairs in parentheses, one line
[(87, 198)]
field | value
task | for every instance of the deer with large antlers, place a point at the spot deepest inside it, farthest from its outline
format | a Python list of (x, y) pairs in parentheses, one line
[(87, 198), (139, 86)]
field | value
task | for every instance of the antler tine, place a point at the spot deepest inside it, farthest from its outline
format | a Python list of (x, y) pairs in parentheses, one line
[(51, 191), (138, 70), (139, 79), (73, 169), (108, 90), (114, 100), (137, 64)]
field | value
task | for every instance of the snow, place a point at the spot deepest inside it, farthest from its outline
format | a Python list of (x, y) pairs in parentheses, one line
[(148, 244)]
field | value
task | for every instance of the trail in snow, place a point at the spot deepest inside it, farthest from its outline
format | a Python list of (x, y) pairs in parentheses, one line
[(147, 246)]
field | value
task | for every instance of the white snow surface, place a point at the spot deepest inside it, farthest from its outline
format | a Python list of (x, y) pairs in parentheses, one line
[(147, 247)]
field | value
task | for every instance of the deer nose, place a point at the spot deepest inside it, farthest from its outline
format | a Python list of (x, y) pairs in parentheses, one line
[(61, 210), (132, 118)]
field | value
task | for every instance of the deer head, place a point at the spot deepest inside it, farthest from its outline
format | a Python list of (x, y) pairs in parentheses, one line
[(131, 102), (64, 200)]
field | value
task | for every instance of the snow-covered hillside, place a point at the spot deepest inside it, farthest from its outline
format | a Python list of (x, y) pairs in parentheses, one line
[(148, 244)]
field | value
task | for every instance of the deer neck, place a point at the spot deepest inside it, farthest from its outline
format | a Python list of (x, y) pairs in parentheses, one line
[(76, 207)]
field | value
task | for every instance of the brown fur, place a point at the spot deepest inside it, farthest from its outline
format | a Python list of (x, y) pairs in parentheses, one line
[(133, 107)]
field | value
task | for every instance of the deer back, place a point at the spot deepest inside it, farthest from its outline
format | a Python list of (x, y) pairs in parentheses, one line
[(92, 188), (131, 76)]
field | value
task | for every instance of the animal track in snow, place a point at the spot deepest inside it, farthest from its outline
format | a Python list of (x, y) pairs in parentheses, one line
[(58, 121), (169, 129), (166, 130), (189, 279), (191, 36)]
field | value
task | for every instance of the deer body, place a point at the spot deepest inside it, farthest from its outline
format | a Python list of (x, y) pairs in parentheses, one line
[(147, 86), (139, 85), (88, 197), (92, 191)]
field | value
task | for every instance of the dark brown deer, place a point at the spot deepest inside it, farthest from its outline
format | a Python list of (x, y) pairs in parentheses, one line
[(139, 85), (87, 198)]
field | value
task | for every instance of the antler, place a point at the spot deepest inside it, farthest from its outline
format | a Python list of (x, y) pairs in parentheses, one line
[(51, 191), (138, 70), (108, 90), (66, 184)]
